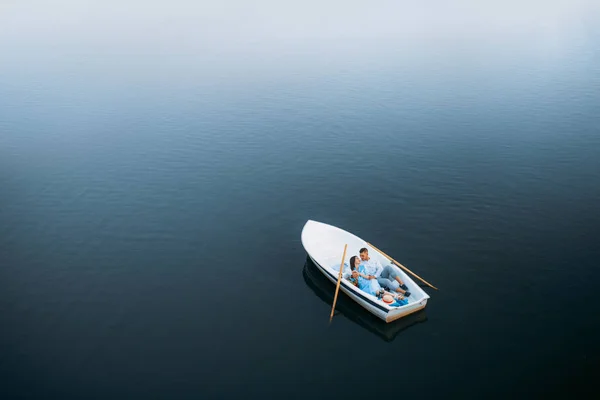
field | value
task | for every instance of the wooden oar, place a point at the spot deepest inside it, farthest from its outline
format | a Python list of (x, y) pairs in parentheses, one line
[(403, 267), (337, 288)]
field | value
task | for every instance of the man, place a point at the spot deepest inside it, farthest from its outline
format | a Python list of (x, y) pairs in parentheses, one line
[(387, 276)]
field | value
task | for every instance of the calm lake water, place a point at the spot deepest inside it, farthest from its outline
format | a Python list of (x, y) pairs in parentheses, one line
[(158, 163)]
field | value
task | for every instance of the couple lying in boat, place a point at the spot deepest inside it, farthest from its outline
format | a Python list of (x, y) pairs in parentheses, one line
[(371, 277)]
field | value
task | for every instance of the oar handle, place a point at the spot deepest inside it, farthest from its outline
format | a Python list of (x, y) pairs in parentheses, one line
[(403, 267)]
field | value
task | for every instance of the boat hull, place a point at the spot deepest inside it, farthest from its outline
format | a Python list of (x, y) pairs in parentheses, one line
[(322, 242), (348, 308), (387, 316)]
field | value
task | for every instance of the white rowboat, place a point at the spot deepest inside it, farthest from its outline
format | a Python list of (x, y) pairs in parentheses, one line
[(325, 245)]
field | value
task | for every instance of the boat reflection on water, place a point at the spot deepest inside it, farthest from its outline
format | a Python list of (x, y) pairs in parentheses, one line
[(354, 312)]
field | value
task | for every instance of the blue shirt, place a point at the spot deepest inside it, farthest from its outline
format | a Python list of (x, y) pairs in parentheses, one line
[(370, 286)]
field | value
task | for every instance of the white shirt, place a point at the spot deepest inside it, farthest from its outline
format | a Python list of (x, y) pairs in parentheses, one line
[(372, 267)]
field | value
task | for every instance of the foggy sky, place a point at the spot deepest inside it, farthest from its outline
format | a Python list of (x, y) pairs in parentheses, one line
[(172, 26)]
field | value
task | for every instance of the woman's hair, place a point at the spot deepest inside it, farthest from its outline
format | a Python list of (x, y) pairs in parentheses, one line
[(352, 259)]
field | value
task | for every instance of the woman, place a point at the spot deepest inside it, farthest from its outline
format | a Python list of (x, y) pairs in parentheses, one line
[(365, 284)]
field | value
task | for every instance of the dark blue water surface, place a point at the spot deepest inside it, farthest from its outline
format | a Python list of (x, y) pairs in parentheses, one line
[(157, 165)]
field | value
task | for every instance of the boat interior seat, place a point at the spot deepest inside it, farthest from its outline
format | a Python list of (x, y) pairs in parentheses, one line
[(335, 265)]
